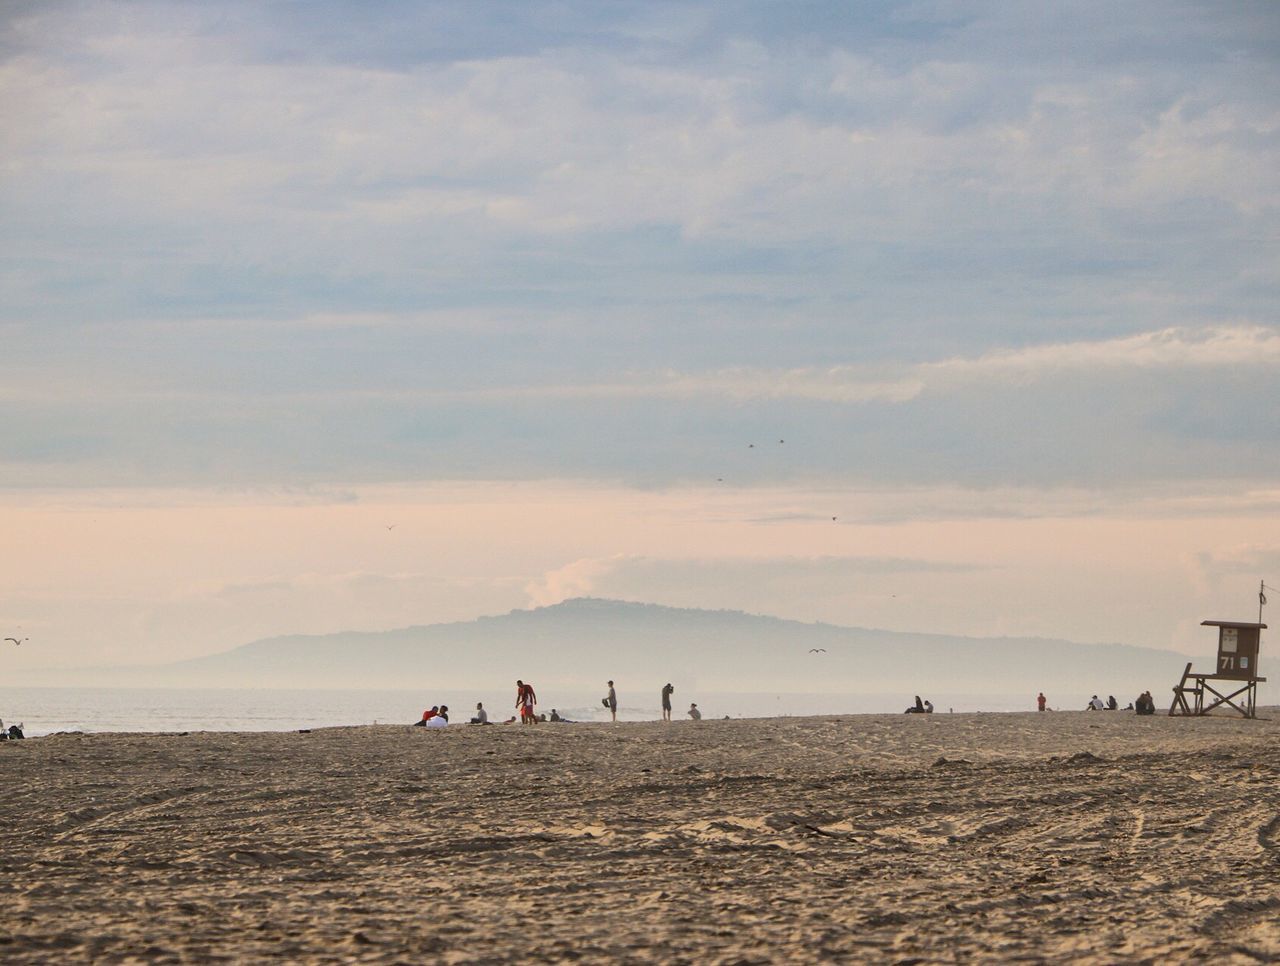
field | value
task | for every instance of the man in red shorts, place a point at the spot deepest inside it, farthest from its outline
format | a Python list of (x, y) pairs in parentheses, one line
[(525, 700)]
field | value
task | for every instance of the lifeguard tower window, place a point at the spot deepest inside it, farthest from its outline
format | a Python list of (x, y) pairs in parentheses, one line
[(1237, 649)]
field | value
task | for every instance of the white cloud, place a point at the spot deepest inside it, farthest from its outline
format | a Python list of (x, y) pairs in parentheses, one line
[(1176, 348), (576, 579), (1214, 347), (725, 212), (1183, 348)]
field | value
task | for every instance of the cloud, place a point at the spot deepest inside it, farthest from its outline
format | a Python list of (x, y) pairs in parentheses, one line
[(401, 177), (1174, 405), (1209, 347), (1241, 560), (576, 579), (973, 245), (638, 577), (1179, 348), (1225, 347)]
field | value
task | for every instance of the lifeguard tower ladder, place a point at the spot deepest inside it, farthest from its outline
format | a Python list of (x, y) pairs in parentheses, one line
[(1237, 666)]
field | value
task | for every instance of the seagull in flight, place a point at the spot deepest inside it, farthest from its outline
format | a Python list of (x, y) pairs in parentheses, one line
[(817, 650), (393, 526), (16, 641)]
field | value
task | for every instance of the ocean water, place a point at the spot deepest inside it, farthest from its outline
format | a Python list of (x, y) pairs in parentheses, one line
[(45, 711)]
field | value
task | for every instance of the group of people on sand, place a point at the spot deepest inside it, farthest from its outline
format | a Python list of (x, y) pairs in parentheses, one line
[(526, 702), (437, 716), (1139, 706), (1142, 704), (667, 690), (12, 733)]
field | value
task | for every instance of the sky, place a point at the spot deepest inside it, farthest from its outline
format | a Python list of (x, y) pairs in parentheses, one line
[(933, 316)]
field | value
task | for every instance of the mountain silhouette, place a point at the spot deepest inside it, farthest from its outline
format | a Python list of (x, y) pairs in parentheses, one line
[(581, 642)]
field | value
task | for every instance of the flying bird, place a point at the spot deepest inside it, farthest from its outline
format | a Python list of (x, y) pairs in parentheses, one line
[(817, 650), (16, 641), (392, 527)]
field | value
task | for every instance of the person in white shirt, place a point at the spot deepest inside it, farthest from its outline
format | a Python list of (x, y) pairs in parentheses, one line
[(1097, 704), (694, 713)]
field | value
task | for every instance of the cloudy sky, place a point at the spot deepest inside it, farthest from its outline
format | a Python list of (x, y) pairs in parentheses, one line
[(926, 315)]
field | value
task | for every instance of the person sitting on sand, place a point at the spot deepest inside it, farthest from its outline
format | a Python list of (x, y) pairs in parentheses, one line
[(1112, 703), (427, 715), (1096, 704), (917, 708), (555, 715), (928, 706), (444, 712), (1145, 704), (694, 713), (482, 716)]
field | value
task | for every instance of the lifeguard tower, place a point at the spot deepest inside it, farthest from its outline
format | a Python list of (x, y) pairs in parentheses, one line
[(1237, 666)]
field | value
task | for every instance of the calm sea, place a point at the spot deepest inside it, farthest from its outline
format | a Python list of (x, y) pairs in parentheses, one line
[(47, 710)]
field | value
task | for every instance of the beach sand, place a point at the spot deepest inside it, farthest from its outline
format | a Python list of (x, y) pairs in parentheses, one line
[(1060, 836)]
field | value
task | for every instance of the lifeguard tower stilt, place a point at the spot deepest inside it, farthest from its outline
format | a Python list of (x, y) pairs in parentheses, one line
[(1237, 666)]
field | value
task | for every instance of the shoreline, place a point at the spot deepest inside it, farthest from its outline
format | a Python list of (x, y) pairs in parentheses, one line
[(1265, 714)]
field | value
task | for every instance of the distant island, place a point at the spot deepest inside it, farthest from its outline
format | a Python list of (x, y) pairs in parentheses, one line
[(581, 642)]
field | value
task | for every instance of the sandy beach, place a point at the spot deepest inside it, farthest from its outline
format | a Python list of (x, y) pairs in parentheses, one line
[(1062, 836)]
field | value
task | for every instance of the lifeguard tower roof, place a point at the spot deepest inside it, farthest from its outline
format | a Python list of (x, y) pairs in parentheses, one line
[(1240, 624)]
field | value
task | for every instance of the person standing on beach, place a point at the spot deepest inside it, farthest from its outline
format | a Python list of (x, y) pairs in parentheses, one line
[(666, 702), (1041, 701), (611, 702), (525, 700)]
